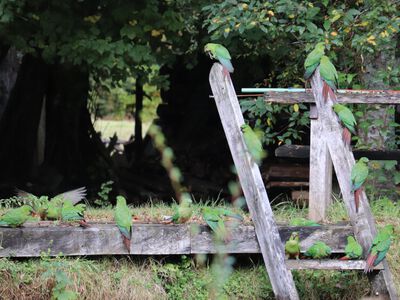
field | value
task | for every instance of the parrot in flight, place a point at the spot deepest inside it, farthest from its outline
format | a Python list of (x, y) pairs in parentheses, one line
[(379, 248), (253, 143), (123, 218), (359, 174), (220, 53), (313, 59), (71, 213), (183, 211), (353, 250), (302, 222), (329, 76), (16, 217), (318, 250), (214, 217), (347, 118), (292, 246)]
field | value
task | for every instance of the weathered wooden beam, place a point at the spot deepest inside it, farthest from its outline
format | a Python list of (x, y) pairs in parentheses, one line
[(343, 161), (327, 265), (252, 185), (287, 184), (301, 97), (150, 239), (303, 151)]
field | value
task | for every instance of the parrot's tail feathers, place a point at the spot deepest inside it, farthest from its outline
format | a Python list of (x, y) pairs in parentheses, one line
[(325, 91), (369, 264), (346, 136), (344, 258), (332, 94), (127, 243), (357, 194), (227, 64), (84, 224)]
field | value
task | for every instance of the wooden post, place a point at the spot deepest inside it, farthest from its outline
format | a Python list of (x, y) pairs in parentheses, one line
[(320, 170), (253, 187), (343, 161)]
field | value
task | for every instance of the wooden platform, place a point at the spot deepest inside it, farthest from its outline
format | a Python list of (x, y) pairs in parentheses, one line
[(159, 239)]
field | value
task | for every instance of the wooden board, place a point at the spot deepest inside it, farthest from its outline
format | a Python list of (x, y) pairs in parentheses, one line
[(150, 239), (301, 97), (312, 264), (252, 185)]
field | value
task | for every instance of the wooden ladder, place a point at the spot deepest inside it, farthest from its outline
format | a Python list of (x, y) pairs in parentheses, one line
[(326, 147)]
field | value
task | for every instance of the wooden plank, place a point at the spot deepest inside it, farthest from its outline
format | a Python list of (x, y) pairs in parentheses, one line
[(343, 161), (253, 187), (311, 264), (320, 173), (150, 239), (307, 97), (287, 184), (303, 151)]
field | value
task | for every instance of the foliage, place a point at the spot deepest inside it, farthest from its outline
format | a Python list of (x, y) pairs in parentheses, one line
[(279, 123), (103, 199)]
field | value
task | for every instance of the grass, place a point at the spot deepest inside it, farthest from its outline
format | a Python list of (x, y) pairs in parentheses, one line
[(183, 278), (123, 128)]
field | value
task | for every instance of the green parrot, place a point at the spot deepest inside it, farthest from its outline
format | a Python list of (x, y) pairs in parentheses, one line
[(71, 213), (347, 118), (318, 250), (253, 143), (353, 249), (54, 208), (220, 53), (359, 174), (380, 246), (313, 59), (183, 211), (123, 218), (302, 222), (214, 217), (38, 204), (16, 217), (292, 246), (329, 76)]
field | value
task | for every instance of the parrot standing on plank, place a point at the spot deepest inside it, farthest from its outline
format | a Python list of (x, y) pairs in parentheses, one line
[(220, 53), (123, 218), (38, 204), (72, 213), (353, 250), (292, 246), (253, 143), (347, 118), (214, 217), (16, 217), (329, 76), (303, 222), (359, 174), (183, 211), (313, 59), (380, 246), (318, 250)]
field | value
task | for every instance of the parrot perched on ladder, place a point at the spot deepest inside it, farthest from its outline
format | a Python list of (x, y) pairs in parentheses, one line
[(318, 250), (16, 217), (359, 174), (123, 218), (353, 250), (329, 76), (253, 143), (292, 246), (380, 246), (313, 59), (220, 53), (347, 118), (71, 213)]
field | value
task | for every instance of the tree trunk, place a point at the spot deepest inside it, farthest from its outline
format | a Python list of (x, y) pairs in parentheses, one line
[(139, 93)]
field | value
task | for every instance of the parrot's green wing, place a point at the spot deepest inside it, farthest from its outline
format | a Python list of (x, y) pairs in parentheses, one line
[(382, 249), (302, 222), (359, 174), (253, 143), (123, 217), (54, 209), (211, 217), (69, 212), (313, 59), (318, 250), (222, 52), (347, 117), (353, 249), (227, 213), (328, 72)]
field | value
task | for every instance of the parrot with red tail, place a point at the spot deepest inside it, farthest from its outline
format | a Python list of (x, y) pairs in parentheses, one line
[(380, 246), (123, 218), (220, 53), (359, 174), (347, 118)]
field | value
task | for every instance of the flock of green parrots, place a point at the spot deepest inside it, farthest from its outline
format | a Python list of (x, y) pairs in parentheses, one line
[(315, 59)]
